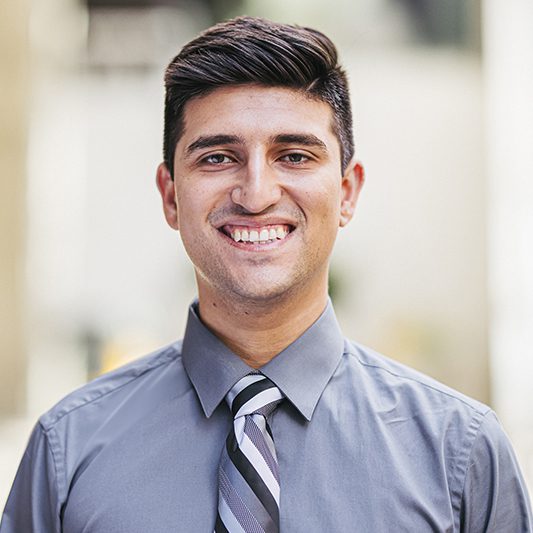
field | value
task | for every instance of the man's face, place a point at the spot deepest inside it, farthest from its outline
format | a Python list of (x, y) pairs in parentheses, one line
[(258, 193)]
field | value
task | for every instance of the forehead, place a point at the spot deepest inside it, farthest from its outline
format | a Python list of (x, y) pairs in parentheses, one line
[(256, 112)]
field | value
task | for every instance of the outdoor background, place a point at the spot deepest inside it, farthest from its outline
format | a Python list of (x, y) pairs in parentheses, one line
[(435, 270)]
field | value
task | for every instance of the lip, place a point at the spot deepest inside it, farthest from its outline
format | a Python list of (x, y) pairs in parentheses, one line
[(256, 247), (225, 226), (256, 222)]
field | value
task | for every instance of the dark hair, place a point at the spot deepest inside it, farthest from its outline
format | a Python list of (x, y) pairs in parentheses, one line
[(250, 50)]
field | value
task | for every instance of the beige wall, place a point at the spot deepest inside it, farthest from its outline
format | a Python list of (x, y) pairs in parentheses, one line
[(14, 52), (508, 70)]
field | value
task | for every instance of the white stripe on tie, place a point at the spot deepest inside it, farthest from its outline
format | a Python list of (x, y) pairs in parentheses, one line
[(249, 449), (242, 384), (259, 401)]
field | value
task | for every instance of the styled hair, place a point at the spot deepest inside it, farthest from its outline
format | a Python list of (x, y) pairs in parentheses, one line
[(248, 50)]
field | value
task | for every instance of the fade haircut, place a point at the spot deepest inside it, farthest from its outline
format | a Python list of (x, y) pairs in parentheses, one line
[(248, 50)]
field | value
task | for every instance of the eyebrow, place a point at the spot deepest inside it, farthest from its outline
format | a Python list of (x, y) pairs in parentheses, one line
[(208, 141), (304, 139)]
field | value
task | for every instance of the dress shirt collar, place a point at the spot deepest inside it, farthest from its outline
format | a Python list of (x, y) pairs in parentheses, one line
[(301, 371)]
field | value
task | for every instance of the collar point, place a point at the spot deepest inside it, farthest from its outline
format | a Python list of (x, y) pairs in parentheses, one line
[(307, 412)]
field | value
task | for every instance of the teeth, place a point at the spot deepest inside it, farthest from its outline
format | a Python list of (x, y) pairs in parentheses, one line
[(261, 235)]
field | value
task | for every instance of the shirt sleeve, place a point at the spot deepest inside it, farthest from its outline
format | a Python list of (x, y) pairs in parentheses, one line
[(33, 503), (495, 497)]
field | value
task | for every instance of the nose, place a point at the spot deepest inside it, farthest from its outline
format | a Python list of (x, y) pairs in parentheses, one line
[(258, 187)]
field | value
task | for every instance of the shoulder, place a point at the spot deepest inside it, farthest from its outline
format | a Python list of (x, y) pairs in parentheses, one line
[(112, 387), (104, 413), (418, 414), (418, 411), (391, 380), (449, 434)]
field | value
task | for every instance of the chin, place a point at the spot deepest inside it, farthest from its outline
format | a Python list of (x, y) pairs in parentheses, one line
[(257, 293), (261, 295), (258, 286)]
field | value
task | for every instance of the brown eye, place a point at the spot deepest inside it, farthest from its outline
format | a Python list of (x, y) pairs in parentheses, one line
[(295, 158), (217, 159)]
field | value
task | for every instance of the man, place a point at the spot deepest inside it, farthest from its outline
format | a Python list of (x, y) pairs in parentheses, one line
[(264, 418)]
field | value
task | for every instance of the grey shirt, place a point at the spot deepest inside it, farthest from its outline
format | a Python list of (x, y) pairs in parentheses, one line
[(364, 445)]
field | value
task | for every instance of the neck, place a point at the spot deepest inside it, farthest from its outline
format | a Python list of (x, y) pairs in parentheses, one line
[(258, 331)]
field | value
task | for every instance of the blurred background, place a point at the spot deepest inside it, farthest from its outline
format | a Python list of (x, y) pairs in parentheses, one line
[(435, 270)]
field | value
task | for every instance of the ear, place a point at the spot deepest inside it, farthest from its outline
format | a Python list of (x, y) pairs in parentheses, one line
[(165, 184), (352, 182)]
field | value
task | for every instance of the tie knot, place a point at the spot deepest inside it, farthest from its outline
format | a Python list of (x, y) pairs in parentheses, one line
[(253, 394)]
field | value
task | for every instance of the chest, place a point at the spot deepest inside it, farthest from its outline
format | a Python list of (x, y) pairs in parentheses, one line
[(334, 477)]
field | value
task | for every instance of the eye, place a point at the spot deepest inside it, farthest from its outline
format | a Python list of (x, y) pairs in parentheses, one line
[(295, 158), (217, 159)]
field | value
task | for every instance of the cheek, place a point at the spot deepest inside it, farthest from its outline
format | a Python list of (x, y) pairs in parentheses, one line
[(190, 199), (321, 200), (196, 202)]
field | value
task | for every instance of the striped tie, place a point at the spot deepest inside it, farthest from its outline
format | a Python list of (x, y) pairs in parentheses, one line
[(248, 480)]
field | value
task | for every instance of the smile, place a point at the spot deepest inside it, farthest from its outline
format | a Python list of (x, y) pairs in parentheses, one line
[(260, 235)]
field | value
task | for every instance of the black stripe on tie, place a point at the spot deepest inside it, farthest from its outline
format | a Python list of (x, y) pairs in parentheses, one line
[(219, 526), (269, 431), (250, 475), (249, 392)]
